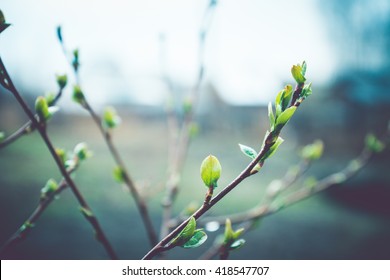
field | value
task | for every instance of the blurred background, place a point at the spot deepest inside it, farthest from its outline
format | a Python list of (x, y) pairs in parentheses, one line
[(128, 51)]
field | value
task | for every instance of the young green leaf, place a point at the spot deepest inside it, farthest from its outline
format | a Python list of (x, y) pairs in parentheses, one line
[(237, 244), (287, 94), (298, 73), (230, 235), (119, 174), (272, 149), (111, 118), (285, 117), (271, 116), (186, 234), (304, 66), (248, 151), (2, 136), (228, 232), (306, 91), (197, 239), (210, 171), (278, 99), (278, 104)]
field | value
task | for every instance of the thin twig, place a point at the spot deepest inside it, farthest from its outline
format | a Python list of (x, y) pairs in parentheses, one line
[(140, 201), (269, 141), (181, 143), (286, 182), (141, 204), (29, 224), (26, 128), (42, 131), (260, 211)]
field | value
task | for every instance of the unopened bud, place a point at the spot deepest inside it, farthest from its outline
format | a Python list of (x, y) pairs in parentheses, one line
[(210, 171)]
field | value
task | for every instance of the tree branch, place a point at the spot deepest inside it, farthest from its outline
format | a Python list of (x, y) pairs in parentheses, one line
[(25, 129), (140, 202), (42, 131), (29, 224), (181, 144)]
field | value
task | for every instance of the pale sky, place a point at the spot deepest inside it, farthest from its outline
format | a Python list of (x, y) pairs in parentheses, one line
[(250, 47)]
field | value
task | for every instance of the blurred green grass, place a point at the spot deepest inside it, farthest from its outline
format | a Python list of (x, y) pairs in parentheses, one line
[(318, 228)]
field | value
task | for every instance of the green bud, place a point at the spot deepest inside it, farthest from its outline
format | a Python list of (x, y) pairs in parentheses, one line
[(76, 62), (210, 171), (228, 232), (61, 154), (86, 212), (2, 136), (62, 80), (111, 118), (313, 151), (310, 182), (76, 54), (42, 109), (298, 72), (119, 174), (81, 151), (78, 95), (187, 105), (374, 144), (50, 187), (338, 178), (193, 129), (231, 236), (27, 225)]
